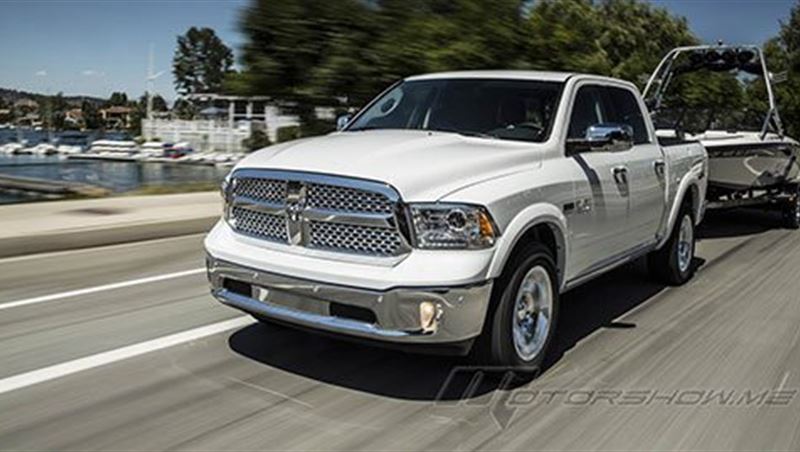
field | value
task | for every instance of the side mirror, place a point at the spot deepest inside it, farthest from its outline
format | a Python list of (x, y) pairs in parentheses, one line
[(342, 121), (604, 138)]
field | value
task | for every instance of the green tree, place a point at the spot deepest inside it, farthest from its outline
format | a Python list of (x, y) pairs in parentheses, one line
[(201, 62), (91, 115), (258, 140), (183, 109), (119, 99), (564, 35), (783, 54), (636, 36), (307, 53)]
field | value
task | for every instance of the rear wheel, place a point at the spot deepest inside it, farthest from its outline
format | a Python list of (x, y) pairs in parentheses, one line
[(791, 211), (520, 327), (672, 264)]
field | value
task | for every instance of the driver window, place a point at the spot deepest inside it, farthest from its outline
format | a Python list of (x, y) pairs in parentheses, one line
[(587, 111)]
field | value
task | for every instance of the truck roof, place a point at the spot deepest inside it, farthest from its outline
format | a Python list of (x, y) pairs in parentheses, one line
[(498, 74), (541, 76)]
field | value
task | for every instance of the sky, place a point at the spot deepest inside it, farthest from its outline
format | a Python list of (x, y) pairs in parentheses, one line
[(95, 47)]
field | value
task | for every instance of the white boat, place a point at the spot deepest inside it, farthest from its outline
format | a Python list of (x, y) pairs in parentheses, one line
[(113, 147), (747, 153), (10, 148), (153, 149), (43, 149), (69, 149)]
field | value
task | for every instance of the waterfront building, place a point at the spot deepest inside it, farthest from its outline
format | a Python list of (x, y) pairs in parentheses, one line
[(223, 123)]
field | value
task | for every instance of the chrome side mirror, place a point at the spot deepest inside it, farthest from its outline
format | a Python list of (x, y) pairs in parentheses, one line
[(342, 121), (609, 137)]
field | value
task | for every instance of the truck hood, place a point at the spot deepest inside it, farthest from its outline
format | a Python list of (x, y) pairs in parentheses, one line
[(421, 165)]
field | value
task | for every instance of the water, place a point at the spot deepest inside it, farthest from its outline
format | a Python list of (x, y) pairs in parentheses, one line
[(116, 176), (34, 137)]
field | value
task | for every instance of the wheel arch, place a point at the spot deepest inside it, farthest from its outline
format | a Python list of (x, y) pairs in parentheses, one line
[(691, 189), (543, 223)]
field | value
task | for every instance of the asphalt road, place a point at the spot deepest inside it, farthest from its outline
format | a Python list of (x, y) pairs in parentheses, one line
[(121, 348)]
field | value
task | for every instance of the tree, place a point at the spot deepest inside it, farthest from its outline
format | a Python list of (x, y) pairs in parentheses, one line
[(258, 140), (783, 54), (118, 99), (201, 62), (91, 115), (307, 53), (184, 109), (564, 35), (637, 35)]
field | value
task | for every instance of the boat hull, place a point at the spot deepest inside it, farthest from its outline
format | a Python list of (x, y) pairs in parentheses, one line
[(752, 165)]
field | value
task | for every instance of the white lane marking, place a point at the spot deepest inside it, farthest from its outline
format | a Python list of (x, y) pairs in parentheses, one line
[(89, 362), (269, 391), (104, 287), (783, 381)]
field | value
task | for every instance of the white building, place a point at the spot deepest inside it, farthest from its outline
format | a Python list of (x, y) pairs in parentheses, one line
[(222, 129)]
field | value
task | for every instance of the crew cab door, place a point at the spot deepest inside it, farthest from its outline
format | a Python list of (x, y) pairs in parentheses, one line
[(598, 215), (645, 167)]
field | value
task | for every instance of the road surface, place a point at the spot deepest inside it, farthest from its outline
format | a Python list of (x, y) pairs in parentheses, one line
[(122, 348)]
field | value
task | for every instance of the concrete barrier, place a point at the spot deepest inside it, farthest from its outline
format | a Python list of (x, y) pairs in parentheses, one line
[(64, 225)]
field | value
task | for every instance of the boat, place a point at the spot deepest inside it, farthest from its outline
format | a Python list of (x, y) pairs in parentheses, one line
[(751, 160)]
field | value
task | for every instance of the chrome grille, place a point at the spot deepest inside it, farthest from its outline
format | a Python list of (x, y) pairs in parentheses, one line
[(266, 190), (259, 224), (354, 239), (320, 212), (331, 197)]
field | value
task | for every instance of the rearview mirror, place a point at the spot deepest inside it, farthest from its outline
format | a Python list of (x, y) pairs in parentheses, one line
[(604, 138), (342, 121)]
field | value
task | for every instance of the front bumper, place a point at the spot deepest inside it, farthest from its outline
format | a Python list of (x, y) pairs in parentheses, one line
[(321, 306)]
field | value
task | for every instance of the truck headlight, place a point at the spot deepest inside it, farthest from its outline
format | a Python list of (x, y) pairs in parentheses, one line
[(226, 191), (452, 226)]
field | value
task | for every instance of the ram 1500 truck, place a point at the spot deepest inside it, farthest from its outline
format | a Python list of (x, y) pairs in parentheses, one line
[(452, 211)]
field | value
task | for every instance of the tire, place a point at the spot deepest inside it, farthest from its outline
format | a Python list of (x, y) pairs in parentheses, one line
[(529, 288), (672, 263), (791, 211)]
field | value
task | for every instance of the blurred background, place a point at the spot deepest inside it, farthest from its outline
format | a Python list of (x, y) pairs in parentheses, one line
[(104, 98)]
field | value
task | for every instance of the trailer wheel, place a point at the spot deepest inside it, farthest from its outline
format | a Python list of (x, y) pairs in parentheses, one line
[(672, 263), (791, 211)]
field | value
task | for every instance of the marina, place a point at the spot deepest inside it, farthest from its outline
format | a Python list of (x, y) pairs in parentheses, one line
[(111, 176)]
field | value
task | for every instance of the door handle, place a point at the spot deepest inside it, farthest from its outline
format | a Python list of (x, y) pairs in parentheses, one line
[(658, 167), (620, 175)]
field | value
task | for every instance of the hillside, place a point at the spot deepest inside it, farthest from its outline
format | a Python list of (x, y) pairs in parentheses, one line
[(12, 95)]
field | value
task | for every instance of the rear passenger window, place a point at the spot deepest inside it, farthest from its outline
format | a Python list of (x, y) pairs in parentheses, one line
[(624, 109)]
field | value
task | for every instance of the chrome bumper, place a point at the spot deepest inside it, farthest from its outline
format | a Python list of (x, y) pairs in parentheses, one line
[(461, 310)]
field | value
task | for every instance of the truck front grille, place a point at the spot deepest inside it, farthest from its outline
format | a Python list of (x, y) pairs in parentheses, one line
[(320, 212), (259, 224), (331, 197), (354, 238)]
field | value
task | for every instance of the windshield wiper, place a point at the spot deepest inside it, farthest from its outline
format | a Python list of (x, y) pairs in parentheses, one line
[(360, 129)]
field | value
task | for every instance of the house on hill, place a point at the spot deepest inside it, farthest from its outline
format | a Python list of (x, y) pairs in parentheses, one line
[(117, 117)]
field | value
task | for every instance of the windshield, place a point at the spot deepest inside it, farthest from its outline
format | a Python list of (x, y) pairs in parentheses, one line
[(501, 109)]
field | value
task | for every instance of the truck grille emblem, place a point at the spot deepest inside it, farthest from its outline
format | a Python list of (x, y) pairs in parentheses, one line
[(295, 204)]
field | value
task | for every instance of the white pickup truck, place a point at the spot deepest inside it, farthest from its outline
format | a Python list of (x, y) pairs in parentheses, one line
[(454, 209)]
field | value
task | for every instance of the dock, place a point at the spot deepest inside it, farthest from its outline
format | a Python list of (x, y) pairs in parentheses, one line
[(50, 187)]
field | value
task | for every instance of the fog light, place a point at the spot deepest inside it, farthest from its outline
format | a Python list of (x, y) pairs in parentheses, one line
[(429, 314)]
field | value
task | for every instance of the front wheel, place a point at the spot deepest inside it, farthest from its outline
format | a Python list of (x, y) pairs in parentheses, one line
[(520, 326), (672, 264)]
